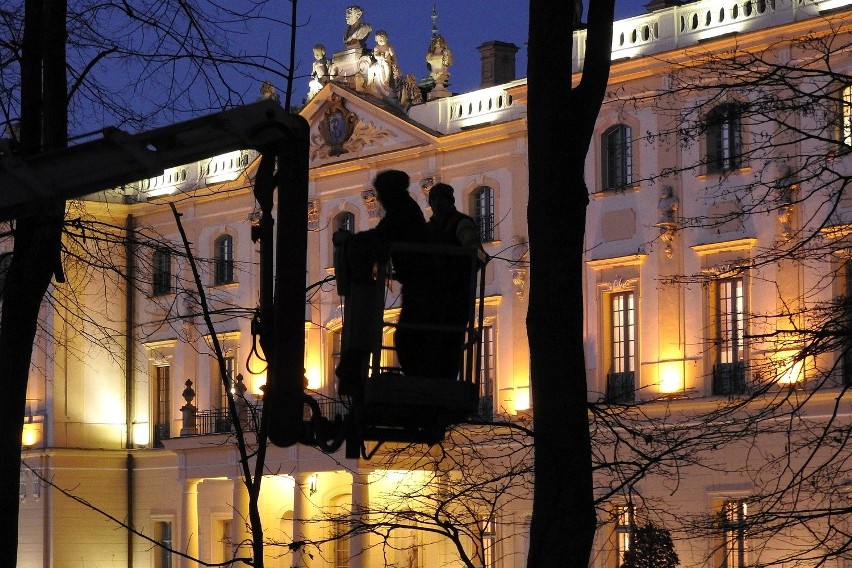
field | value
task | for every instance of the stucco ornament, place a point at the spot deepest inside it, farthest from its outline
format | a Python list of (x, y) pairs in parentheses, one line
[(331, 142), (336, 126)]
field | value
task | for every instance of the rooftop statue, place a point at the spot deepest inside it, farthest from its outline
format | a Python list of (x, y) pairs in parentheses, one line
[(357, 31), (438, 61), (320, 72), (383, 75)]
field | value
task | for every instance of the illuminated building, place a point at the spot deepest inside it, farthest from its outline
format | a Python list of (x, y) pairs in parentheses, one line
[(114, 438)]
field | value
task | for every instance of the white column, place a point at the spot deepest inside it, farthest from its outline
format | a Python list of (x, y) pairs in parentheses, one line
[(301, 506), (240, 534), (359, 543), (189, 523)]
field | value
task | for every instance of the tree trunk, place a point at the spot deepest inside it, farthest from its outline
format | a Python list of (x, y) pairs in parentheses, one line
[(561, 124), (37, 245)]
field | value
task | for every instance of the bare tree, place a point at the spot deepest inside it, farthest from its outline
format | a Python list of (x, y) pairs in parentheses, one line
[(556, 212), (56, 81)]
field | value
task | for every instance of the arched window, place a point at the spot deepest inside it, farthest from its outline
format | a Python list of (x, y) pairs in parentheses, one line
[(345, 222), (161, 271), (617, 157), (724, 138), (224, 259), (482, 211)]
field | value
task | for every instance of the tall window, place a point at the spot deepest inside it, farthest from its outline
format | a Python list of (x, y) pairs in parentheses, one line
[(729, 368), (845, 116), (162, 271), (224, 259), (482, 211), (734, 515), (339, 531), (621, 378), (162, 556), (489, 536), (162, 412), (220, 386), (487, 373), (623, 532), (335, 339), (724, 138), (616, 157)]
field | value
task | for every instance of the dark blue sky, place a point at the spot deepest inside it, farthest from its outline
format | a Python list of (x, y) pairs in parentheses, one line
[(465, 24)]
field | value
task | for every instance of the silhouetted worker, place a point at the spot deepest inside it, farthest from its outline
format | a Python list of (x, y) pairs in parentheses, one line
[(453, 281), (367, 253)]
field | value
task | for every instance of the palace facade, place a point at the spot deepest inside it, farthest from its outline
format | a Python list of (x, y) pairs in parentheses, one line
[(692, 192)]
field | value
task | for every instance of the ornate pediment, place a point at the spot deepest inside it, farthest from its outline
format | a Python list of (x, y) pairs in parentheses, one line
[(347, 126), (340, 131)]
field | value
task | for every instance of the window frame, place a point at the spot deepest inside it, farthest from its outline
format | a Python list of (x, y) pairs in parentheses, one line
[(621, 341), (724, 138), (625, 525), (162, 556), (482, 209), (734, 549), (161, 271), (487, 371), (162, 404), (728, 312), (617, 157), (223, 260)]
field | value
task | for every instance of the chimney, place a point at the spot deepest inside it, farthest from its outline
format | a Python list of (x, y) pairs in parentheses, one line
[(498, 63)]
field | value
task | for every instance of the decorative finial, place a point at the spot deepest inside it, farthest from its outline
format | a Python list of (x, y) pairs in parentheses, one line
[(434, 20)]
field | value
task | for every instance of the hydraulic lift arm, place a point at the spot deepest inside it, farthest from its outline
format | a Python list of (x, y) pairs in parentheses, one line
[(26, 182), (29, 183)]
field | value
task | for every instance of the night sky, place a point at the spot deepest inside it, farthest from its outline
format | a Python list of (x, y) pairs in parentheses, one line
[(465, 24)]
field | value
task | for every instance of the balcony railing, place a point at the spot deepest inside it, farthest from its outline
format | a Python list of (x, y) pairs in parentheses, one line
[(621, 387), (215, 421), (729, 378)]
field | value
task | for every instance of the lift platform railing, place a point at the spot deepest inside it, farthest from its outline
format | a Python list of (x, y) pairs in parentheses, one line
[(437, 339)]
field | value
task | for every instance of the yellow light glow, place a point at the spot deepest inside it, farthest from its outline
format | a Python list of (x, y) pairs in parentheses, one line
[(790, 371), (141, 434), (31, 435), (671, 377), (314, 378), (522, 399), (257, 381)]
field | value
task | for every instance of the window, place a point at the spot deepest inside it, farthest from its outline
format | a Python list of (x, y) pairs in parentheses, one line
[(623, 532), (389, 358), (734, 514), (224, 259), (220, 384), (222, 540), (845, 116), (339, 531), (162, 412), (482, 211), (163, 534), (724, 138), (489, 537), (729, 324), (345, 222), (162, 271), (487, 373), (335, 339), (620, 385), (616, 157)]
